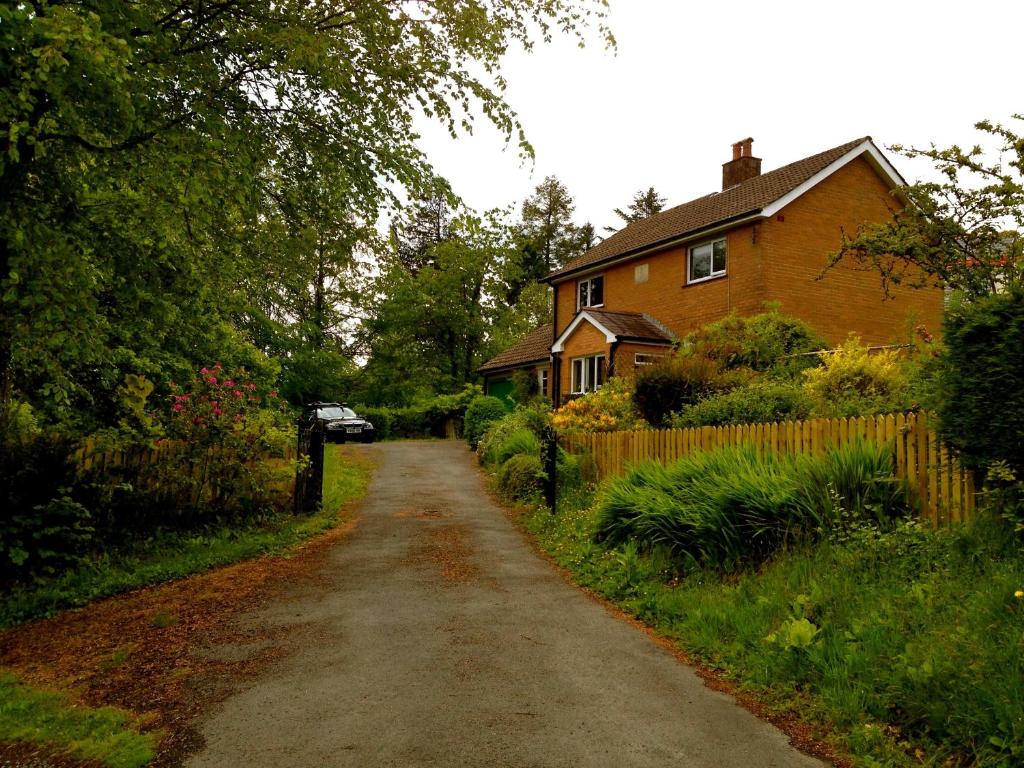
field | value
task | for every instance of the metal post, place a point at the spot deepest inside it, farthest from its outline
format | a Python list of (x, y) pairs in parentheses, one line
[(549, 460), (309, 481)]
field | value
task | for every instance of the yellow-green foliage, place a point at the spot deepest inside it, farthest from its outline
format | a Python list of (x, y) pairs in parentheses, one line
[(853, 381), (608, 409)]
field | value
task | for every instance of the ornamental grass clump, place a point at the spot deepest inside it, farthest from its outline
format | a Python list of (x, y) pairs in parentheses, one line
[(735, 506)]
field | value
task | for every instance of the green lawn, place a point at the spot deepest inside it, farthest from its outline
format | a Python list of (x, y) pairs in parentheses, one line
[(173, 555), (907, 647), (107, 735)]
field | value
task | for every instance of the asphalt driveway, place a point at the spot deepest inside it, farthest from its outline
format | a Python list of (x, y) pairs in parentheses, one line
[(436, 636)]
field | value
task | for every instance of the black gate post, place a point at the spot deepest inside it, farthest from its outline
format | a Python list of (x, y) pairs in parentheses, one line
[(309, 481), (549, 460)]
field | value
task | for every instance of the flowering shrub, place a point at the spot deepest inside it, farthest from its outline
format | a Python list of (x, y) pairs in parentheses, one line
[(852, 381), (221, 429), (606, 410)]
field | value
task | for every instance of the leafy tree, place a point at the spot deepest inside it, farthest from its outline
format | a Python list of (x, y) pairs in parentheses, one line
[(962, 232), (428, 224), (137, 138)]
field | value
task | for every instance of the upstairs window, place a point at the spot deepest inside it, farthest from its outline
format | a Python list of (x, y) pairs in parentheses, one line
[(706, 261), (590, 292), (588, 374)]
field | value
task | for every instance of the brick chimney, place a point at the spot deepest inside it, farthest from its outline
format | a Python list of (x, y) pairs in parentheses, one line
[(743, 165)]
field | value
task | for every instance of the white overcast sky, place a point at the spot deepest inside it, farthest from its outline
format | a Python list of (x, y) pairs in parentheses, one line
[(690, 78)]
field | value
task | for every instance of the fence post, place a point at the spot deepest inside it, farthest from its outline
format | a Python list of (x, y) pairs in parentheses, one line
[(549, 460), (309, 480)]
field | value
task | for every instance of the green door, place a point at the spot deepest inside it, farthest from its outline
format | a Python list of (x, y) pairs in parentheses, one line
[(501, 389)]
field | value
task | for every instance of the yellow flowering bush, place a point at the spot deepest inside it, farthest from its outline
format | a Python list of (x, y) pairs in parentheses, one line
[(853, 381), (607, 410)]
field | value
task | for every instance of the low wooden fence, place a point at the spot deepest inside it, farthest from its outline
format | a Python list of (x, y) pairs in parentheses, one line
[(91, 456), (944, 489)]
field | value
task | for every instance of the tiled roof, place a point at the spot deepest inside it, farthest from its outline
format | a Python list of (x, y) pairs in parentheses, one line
[(535, 347), (748, 197), (632, 325)]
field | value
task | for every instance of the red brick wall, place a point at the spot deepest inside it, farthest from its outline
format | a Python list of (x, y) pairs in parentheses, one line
[(796, 249), (666, 297), (585, 340), (625, 356), (773, 260)]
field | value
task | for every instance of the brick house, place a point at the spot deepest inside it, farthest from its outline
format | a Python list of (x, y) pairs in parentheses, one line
[(764, 238)]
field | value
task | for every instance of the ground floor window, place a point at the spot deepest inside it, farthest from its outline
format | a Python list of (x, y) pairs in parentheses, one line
[(542, 382), (646, 358), (588, 374)]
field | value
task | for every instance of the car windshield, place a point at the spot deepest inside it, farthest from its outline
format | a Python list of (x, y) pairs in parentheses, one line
[(336, 412)]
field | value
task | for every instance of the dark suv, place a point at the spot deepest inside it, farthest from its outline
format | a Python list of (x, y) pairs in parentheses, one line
[(340, 423)]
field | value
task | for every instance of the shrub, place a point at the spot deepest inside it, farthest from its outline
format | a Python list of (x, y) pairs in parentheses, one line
[(481, 412), (570, 471), (532, 418), (520, 477), (44, 525), (672, 383), (520, 442), (852, 381), (381, 418), (606, 410), (222, 427), (525, 386), (732, 506), (768, 341), (758, 401), (981, 389)]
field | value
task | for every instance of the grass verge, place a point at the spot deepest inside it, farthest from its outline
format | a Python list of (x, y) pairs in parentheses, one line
[(903, 647), (106, 735), (169, 556)]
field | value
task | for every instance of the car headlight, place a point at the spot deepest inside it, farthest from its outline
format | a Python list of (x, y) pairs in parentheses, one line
[(368, 425)]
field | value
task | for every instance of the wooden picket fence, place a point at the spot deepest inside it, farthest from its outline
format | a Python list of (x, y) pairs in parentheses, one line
[(944, 490)]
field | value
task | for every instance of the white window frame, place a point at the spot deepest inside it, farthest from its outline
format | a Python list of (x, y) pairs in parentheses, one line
[(649, 358), (585, 381), (589, 281), (542, 381), (690, 280)]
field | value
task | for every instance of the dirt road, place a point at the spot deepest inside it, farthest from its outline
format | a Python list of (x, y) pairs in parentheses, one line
[(437, 637)]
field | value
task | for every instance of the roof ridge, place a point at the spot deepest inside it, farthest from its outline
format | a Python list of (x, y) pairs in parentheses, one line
[(748, 182)]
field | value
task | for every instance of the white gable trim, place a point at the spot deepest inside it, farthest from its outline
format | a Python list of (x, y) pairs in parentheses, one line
[(867, 147), (559, 344)]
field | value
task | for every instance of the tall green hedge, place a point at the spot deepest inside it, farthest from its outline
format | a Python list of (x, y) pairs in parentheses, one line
[(981, 387)]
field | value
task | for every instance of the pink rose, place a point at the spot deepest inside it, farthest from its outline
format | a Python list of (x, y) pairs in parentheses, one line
[(177, 407), (229, 382), (237, 393), (212, 380), (204, 371)]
